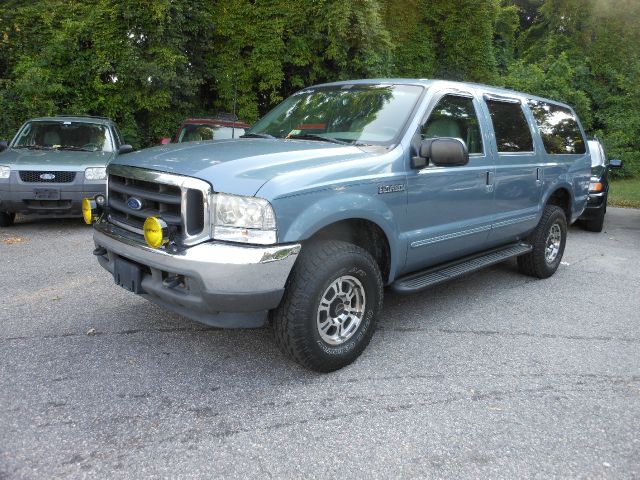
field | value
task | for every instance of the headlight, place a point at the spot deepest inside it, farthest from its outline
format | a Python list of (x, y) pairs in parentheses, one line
[(243, 219), (95, 173), (4, 171), (595, 187)]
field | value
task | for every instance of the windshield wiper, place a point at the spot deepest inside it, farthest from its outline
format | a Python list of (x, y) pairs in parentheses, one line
[(74, 148), (33, 147), (313, 136), (256, 135)]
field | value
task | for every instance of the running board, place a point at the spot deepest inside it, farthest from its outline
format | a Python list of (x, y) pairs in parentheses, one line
[(415, 282)]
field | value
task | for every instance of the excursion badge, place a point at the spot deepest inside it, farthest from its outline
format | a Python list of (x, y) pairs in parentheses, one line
[(400, 187)]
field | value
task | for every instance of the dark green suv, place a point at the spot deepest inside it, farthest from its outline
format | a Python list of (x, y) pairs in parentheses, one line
[(592, 218), (53, 163)]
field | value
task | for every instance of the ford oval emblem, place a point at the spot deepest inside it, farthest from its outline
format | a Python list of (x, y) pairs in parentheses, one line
[(134, 203), (47, 176)]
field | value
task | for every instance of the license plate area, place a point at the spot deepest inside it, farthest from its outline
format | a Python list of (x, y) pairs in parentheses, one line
[(128, 275), (46, 194)]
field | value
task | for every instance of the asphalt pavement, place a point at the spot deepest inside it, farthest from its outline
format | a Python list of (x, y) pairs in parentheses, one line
[(495, 375)]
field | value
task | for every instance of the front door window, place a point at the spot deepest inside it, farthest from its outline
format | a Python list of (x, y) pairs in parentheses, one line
[(455, 116)]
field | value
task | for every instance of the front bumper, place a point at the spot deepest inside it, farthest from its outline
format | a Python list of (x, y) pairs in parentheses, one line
[(216, 283), (17, 196), (596, 203)]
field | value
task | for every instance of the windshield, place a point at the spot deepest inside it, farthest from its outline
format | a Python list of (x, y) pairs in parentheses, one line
[(198, 132), (362, 114), (64, 135), (597, 155)]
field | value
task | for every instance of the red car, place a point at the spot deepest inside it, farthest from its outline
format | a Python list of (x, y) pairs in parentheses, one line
[(198, 129)]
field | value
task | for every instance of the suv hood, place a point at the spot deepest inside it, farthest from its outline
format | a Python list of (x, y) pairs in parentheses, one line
[(241, 166), (62, 160)]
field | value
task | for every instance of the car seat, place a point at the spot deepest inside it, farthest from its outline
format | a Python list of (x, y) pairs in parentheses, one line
[(50, 139), (192, 136), (442, 127)]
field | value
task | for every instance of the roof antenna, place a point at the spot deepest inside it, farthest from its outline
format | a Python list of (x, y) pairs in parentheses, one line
[(235, 97)]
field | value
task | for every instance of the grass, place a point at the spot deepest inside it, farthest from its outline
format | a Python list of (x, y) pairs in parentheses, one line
[(625, 193)]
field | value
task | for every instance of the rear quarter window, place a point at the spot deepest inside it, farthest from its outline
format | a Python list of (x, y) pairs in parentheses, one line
[(558, 128)]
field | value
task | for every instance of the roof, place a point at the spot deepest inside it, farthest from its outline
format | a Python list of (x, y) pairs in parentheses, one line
[(426, 82), (74, 118), (216, 121)]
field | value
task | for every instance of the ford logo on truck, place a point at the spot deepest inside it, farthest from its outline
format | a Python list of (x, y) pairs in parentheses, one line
[(47, 176), (134, 203)]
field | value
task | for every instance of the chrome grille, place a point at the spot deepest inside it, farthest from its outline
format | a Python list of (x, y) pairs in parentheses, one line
[(183, 202), (31, 176)]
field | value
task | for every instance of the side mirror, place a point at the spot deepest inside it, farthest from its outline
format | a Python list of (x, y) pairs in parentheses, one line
[(3, 145), (126, 148), (443, 152), (615, 164), (165, 140)]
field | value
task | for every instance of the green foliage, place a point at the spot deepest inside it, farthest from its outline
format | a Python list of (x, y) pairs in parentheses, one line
[(268, 50), (463, 32), (625, 193), (587, 53), (124, 60), (553, 78), (415, 49), (148, 64), (505, 27)]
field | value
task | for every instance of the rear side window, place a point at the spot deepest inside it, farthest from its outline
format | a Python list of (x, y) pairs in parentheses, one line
[(558, 128), (510, 126)]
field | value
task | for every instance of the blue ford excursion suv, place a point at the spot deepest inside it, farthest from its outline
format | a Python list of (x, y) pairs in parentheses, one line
[(340, 191)]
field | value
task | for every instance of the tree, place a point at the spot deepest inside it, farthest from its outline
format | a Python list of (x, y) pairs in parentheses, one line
[(149, 64)]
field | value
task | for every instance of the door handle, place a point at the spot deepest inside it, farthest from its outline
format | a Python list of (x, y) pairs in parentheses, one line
[(489, 180), (538, 176)]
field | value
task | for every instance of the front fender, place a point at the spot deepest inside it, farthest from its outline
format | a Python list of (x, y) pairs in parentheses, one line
[(296, 225)]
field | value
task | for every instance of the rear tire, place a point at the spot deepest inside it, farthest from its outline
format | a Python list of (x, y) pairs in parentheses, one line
[(329, 310), (548, 241), (7, 219)]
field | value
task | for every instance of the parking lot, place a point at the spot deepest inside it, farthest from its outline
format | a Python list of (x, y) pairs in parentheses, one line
[(493, 375)]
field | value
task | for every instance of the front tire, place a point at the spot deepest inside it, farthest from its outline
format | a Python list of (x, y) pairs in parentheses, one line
[(7, 219), (548, 241), (330, 306)]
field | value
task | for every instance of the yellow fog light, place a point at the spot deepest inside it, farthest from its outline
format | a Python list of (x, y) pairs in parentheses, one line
[(89, 210), (156, 232)]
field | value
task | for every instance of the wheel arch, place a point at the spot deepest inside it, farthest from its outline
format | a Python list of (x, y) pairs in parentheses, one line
[(364, 233), (561, 197), (364, 220)]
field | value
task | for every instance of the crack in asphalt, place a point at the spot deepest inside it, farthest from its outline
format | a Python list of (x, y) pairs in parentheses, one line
[(446, 331), (230, 432), (374, 410), (121, 332), (497, 333), (196, 435)]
